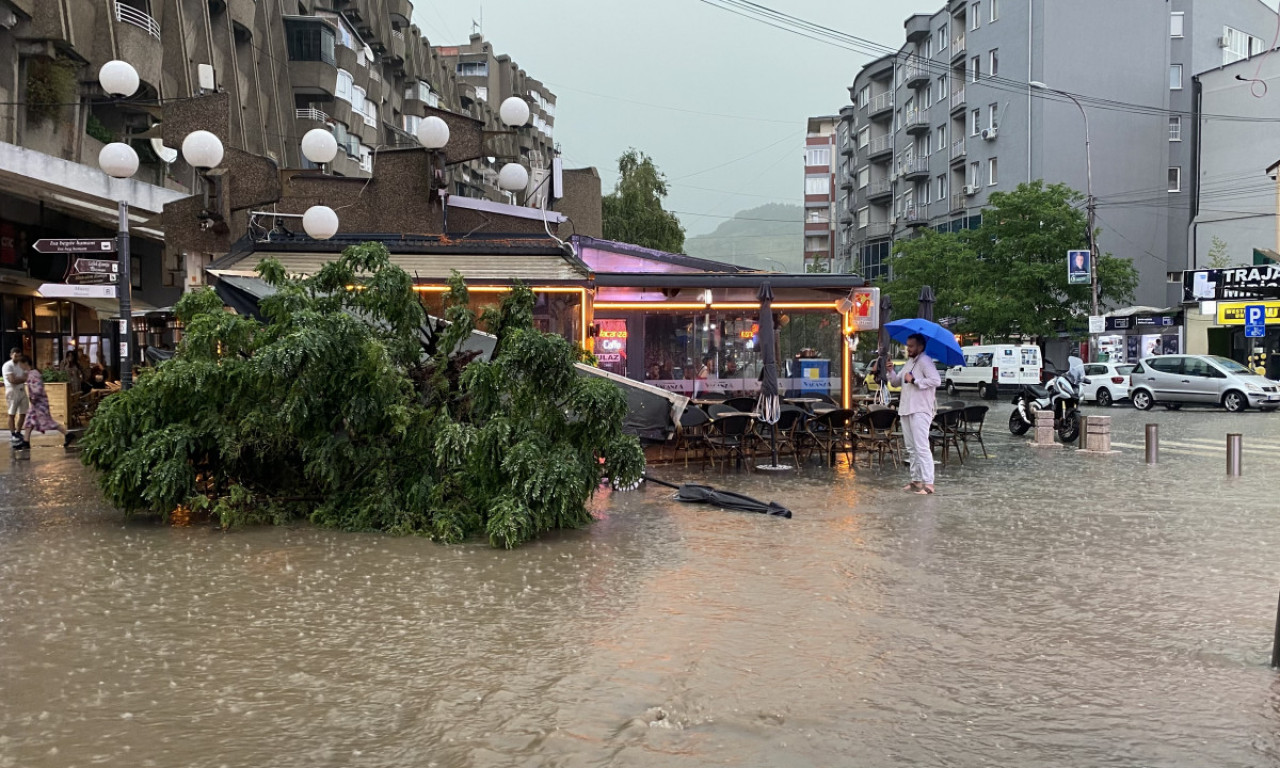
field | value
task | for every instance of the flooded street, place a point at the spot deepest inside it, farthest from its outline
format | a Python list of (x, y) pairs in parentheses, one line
[(1045, 608)]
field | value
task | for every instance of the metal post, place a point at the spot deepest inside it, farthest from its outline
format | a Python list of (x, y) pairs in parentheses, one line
[(125, 288), (1153, 443), (1234, 448), (1275, 642)]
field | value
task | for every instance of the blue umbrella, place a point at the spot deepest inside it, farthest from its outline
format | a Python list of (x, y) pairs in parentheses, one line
[(940, 344)]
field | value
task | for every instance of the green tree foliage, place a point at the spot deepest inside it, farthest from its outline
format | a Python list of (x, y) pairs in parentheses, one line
[(633, 212), (352, 408), (1219, 254), (1009, 276)]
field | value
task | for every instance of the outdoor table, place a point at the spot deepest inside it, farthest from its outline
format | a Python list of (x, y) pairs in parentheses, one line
[(823, 407)]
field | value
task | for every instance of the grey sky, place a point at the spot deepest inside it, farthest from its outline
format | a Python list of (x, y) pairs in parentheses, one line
[(737, 93)]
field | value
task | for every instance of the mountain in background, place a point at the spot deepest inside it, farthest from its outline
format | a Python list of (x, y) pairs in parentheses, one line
[(760, 238)]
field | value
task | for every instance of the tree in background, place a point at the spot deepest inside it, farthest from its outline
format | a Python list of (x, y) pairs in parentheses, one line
[(1219, 254), (633, 212), (351, 408), (1009, 276)]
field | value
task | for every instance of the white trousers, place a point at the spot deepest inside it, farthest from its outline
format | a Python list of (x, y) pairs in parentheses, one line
[(915, 436)]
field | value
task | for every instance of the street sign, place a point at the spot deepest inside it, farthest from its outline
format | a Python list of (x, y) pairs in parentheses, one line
[(1097, 323), (92, 278), (76, 245), (65, 291), (1255, 321), (95, 266)]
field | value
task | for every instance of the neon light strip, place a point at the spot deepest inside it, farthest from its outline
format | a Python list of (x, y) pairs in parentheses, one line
[(673, 306)]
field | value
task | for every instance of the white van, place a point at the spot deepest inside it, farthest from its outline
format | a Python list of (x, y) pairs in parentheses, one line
[(995, 368)]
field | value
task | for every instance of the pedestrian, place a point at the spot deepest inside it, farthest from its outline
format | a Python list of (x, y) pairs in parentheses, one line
[(73, 366), (39, 419), (919, 382), (15, 395)]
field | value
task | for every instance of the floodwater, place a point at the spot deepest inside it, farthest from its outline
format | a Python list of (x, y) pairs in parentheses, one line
[(1046, 608)]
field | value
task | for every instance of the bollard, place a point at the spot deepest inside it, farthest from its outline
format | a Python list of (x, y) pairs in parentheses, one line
[(1234, 448), (1153, 443), (1275, 643)]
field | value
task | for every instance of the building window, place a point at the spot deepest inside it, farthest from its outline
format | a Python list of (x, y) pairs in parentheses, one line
[(993, 174), (942, 137), (864, 177), (1237, 45), (309, 40), (975, 174), (864, 215), (345, 37), (995, 9), (975, 69), (975, 122), (864, 96), (942, 38), (992, 111), (975, 15), (993, 62), (1175, 77), (357, 99), (411, 123), (1175, 129), (864, 137), (473, 69), (1175, 178), (818, 156), (482, 93), (817, 185), (1175, 24), (941, 184), (343, 89), (817, 216)]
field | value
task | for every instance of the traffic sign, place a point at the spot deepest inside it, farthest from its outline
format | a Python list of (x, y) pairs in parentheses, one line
[(95, 266), (1255, 331), (1255, 314), (65, 291), (76, 245)]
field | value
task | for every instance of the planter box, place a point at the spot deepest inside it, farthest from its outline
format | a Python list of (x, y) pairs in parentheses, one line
[(59, 400)]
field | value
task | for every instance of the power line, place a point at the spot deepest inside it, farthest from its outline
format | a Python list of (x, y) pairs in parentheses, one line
[(788, 137)]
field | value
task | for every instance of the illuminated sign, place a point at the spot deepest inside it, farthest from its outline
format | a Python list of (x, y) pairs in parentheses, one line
[(1232, 313)]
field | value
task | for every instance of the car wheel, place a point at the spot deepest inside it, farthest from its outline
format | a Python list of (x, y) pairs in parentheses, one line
[(983, 391), (1142, 400), (1173, 406), (1235, 402), (951, 388), (1104, 398)]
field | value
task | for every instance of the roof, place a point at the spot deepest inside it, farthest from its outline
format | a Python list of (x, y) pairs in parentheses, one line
[(652, 254)]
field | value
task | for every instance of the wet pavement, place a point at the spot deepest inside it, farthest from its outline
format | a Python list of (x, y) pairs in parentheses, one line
[(1045, 608)]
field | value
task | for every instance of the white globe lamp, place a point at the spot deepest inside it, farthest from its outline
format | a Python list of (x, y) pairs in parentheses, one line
[(320, 222), (118, 159), (319, 146), (513, 177), (514, 111), (202, 149), (118, 78), (433, 133)]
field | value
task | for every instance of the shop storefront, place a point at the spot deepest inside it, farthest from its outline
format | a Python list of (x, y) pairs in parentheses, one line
[(1216, 300), (1134, 334)]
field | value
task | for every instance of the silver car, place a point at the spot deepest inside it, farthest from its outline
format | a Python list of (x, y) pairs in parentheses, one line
[(1176, 380)]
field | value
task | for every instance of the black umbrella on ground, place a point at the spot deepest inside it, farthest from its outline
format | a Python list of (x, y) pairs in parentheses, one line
[(882, 347), (925, 311), (769, 406), (704, 494)]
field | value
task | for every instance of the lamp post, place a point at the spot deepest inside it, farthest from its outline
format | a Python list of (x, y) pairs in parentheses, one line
[(1090, 206), (201, 149)]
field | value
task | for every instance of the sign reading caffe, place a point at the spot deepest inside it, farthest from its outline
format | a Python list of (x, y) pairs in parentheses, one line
[(1260, 282)]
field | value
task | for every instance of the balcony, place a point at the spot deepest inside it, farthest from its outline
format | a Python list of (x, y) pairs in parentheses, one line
[(919, 27), (847, 184), (881, 104), (957, 99), (877, 229), (847, 149), (915, 74), (959, 202), (958, 150), (312, 114), (916, 122), (915, 216), (915, 169), (879, 189), (127, 14), (957, 47), (881, 145)]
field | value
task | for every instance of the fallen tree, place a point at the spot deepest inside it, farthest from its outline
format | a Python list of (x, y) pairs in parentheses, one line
[(348, 406)]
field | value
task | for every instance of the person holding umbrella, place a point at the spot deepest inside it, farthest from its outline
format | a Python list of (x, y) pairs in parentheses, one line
[(919, 382)]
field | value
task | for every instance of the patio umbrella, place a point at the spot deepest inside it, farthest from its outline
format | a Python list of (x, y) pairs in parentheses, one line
[(882, 349), (704, 494), (925, 310), (940, 343), (769, 406)]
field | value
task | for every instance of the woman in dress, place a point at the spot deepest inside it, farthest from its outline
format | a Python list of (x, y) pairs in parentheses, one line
[(38, 418)]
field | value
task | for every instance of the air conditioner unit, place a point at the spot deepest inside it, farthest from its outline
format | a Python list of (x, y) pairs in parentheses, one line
[(989, 133), (970, 190), (1222, 42)]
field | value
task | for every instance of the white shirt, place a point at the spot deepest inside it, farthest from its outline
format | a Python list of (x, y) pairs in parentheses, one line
[(11, 369)]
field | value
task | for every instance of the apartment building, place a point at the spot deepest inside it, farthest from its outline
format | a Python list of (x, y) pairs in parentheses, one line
[(820, 193), (938, 125), (358, 68)]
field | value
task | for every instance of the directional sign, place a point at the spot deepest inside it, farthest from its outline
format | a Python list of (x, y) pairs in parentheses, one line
[(95, 266), (64, 291), (78, 245), (1255, 321), (92, 278)]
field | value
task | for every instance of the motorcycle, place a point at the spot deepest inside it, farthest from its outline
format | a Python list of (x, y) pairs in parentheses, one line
[(1061, 394)]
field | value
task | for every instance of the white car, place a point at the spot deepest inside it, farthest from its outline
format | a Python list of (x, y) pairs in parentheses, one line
[(1108, 382)]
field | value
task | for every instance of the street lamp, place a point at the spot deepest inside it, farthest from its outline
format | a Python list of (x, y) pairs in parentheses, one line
[(201, 149), (1091, 205)]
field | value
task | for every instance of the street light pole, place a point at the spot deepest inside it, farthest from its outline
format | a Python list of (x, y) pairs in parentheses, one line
[(125, 289), (1090, 207)]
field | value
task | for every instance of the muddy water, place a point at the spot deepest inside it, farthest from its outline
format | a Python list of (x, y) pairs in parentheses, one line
[(1045, 608)]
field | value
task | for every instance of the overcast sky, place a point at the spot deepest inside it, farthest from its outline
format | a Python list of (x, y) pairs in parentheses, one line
[(718, 101)]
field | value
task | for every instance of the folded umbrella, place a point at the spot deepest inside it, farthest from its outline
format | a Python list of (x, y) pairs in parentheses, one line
[(704, 494), (940, 343)]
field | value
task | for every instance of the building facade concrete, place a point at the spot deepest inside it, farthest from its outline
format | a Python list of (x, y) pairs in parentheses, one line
[(949, 118), (820, 193)]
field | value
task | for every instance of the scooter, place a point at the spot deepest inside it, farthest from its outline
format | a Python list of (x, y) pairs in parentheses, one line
[(1061, 394)]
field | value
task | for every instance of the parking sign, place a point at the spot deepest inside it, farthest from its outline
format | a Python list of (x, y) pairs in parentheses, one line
[(1255, 321)]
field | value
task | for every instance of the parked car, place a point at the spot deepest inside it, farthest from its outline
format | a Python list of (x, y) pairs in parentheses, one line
[(1177, 380), (1108, 382)]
